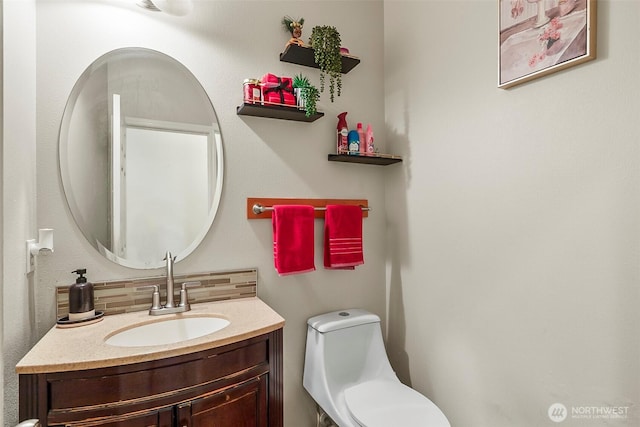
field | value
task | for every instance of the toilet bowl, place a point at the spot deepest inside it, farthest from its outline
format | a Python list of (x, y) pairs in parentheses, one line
[(347, 373)]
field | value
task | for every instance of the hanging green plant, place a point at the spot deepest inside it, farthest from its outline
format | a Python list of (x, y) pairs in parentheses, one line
[(325, 41), (307, 92)]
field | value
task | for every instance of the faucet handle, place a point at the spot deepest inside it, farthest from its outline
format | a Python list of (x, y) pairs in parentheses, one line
[(184, 297), (155, 297), (186, 285)]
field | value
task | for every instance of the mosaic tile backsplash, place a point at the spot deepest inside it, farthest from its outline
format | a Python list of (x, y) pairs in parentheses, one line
[(123, 296)]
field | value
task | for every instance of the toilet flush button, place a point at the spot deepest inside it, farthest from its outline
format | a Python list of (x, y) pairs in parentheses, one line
[(343, 314)]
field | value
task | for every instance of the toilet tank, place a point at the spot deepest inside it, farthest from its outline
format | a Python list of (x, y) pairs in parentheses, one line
[(343, 348)]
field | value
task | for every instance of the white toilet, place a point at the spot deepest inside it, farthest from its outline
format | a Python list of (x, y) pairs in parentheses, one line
[(347, 373)]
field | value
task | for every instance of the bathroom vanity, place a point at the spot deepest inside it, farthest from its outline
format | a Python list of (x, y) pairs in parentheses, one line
[(232, 377)]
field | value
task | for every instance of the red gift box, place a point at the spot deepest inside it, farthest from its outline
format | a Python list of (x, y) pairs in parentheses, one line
[(277, 90)]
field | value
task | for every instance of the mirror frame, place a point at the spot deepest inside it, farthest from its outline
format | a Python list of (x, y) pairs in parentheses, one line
[(64, 166)]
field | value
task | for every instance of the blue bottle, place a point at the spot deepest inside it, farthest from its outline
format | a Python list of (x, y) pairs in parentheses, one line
[(353, 141)]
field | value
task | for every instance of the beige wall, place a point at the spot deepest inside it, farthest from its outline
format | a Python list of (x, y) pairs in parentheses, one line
[(18, 188), (227, 42), (514, 222)]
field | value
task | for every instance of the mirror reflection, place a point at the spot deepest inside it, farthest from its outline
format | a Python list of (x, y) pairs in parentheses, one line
[(141, 157)]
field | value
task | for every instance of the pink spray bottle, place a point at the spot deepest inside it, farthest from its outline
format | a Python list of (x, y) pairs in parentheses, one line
[(368, 142)]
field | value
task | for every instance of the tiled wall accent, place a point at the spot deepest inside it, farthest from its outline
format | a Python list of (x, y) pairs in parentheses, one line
[(122, 296)]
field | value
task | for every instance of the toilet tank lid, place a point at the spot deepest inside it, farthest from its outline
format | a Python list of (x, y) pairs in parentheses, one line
[(341, 319)]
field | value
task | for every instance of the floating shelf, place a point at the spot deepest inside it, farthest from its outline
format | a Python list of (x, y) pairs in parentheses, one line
[(381, 160), (276, 112), (303, 55)]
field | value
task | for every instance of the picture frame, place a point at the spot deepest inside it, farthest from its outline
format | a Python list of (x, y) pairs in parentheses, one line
[(541, 37)]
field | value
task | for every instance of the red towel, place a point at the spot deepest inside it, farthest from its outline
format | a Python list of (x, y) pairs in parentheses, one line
[(343, 236), (293, 239)]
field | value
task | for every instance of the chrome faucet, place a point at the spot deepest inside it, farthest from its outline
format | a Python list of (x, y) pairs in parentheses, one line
[(170, 305), (170, 302)]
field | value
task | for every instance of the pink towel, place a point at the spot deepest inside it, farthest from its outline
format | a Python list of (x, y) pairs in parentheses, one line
[(293, 239), (343, 236)]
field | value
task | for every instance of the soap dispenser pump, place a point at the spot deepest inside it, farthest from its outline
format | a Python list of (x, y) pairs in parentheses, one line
[(81, 298)]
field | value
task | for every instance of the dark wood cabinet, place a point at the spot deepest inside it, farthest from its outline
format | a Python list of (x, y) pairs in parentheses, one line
[(237, 385), (242, 406), (152, 418)]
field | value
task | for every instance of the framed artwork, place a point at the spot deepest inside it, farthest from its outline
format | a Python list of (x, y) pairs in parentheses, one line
[(540, 37)]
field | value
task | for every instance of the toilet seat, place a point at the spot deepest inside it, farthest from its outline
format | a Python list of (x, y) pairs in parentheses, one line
[(384, 403)]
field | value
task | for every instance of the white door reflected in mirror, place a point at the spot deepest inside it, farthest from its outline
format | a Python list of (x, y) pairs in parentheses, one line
[(166, 191)]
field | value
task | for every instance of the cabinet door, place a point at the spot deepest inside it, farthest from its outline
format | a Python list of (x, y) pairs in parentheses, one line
[(244, 405), (161, 418)]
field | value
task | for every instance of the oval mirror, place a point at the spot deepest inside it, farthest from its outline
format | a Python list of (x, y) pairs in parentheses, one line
[(141, 157)]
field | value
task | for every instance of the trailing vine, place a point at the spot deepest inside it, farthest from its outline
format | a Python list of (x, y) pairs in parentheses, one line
[(310, 95), (325, 41)]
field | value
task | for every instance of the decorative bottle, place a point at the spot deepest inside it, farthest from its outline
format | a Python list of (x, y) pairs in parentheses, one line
[(363, 148), (368, 141), (343, 131), (354, 143)]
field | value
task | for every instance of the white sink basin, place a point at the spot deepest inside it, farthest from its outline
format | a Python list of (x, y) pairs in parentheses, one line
[(167, 331)]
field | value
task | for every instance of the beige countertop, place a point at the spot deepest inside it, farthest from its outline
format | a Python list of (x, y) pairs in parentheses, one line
[(70, 349)]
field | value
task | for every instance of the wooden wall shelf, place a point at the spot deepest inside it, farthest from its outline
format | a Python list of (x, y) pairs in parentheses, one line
[(317, 203), (381, 160), (276, 112), (304, 55)]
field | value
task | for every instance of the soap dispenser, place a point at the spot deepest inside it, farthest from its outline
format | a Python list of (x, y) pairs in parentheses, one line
[(81, 298)]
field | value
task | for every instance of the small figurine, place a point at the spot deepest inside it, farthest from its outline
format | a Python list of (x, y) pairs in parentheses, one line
[(295, 28)]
